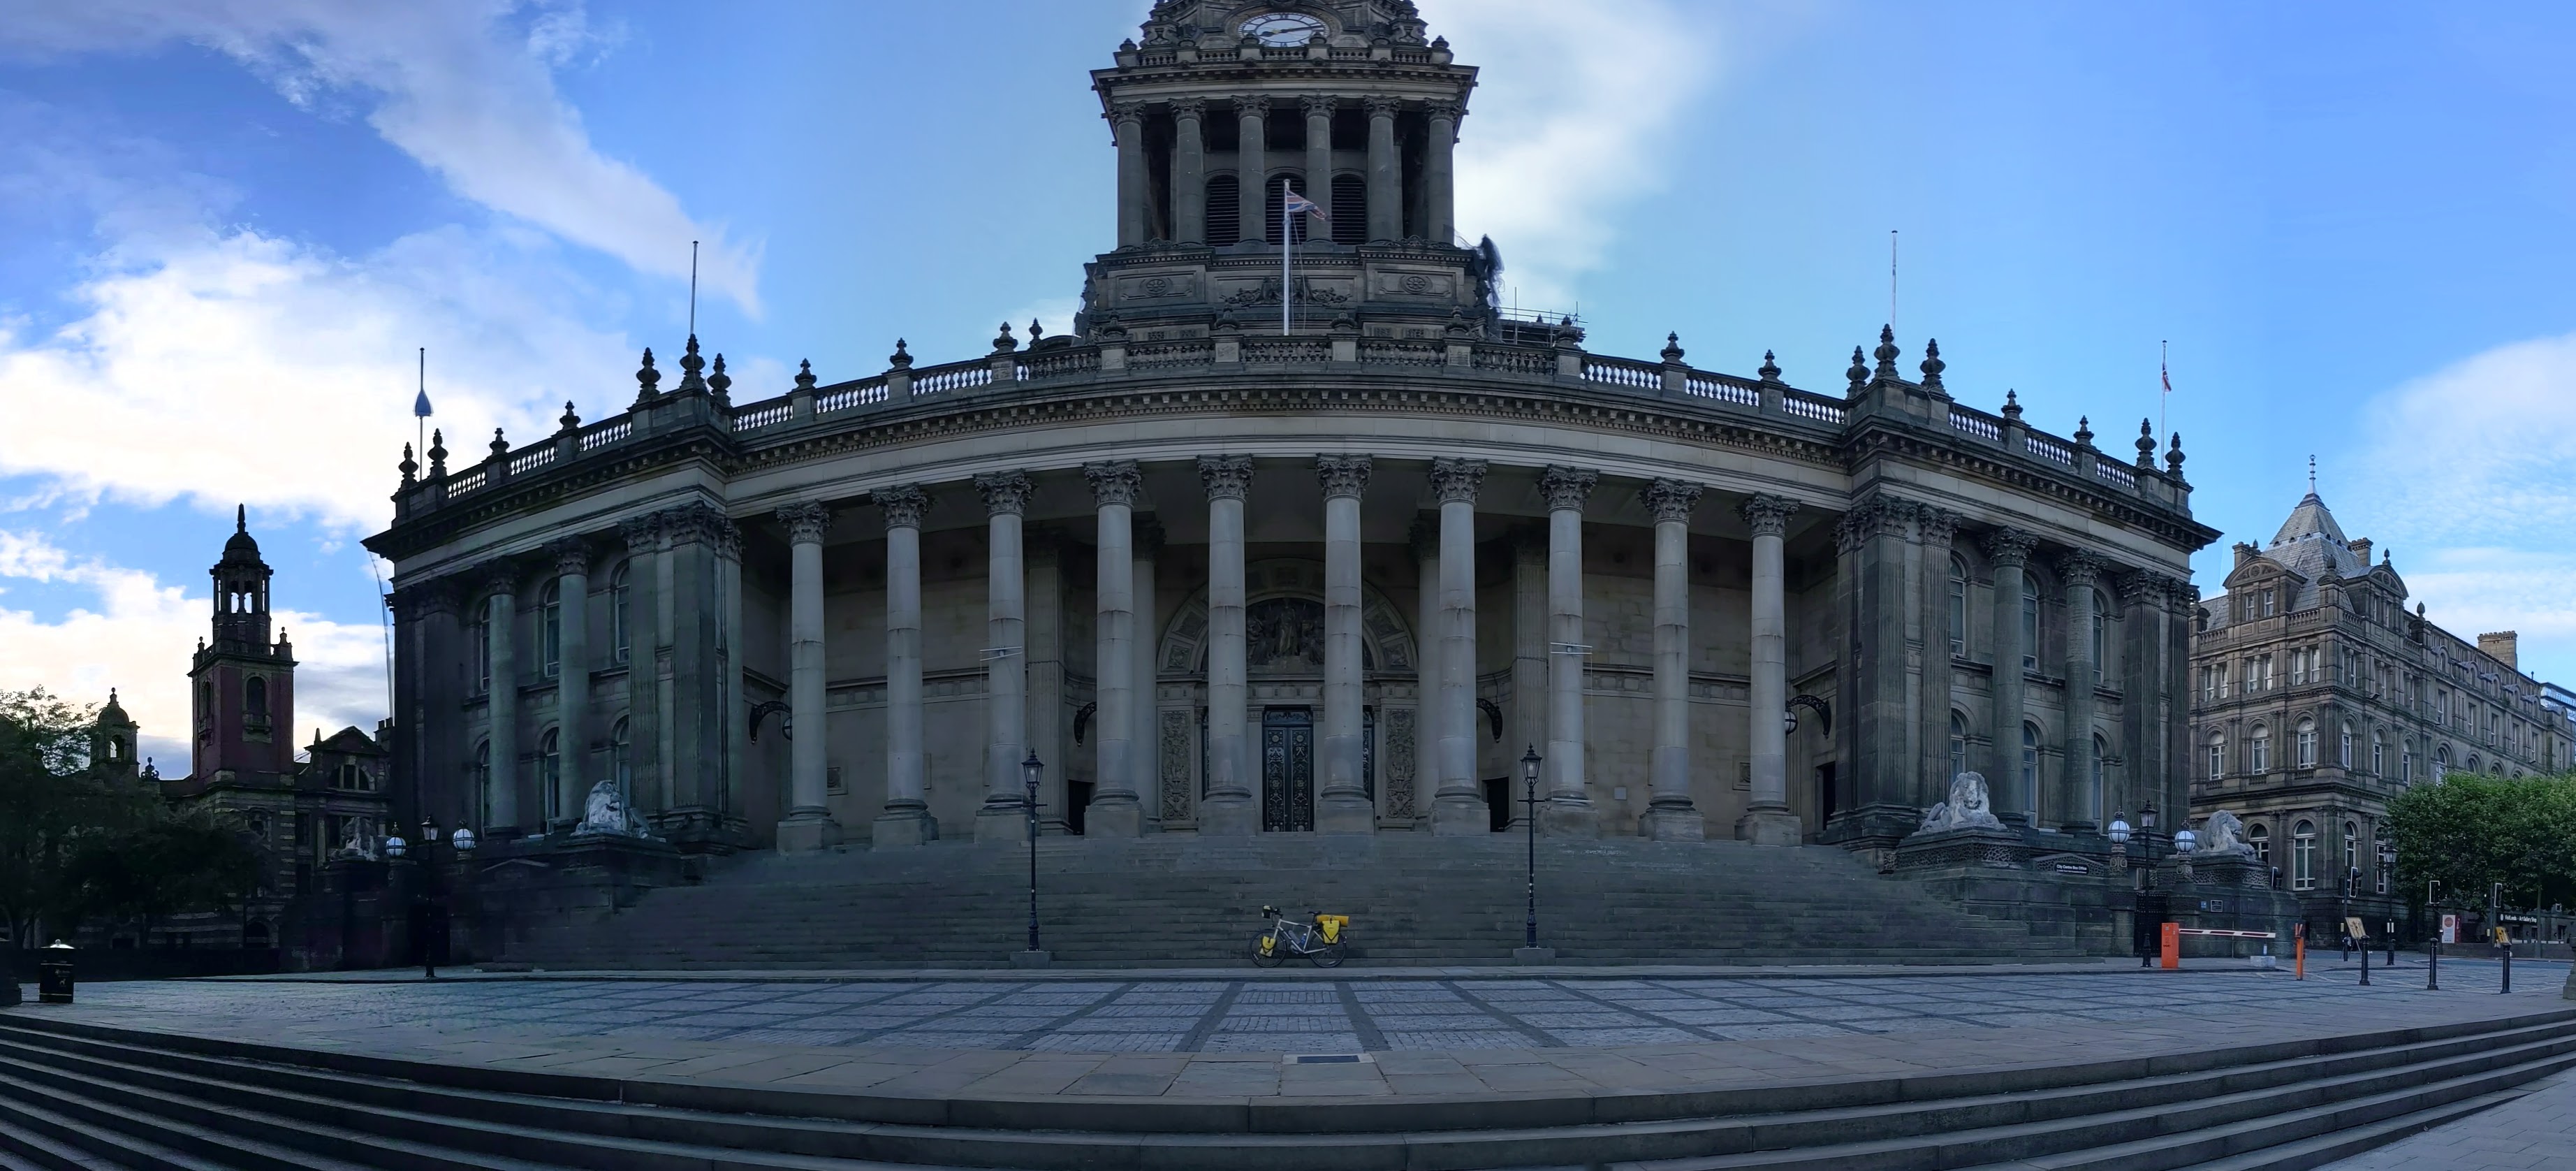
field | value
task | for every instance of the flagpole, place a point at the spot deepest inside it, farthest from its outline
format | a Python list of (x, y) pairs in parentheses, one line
[(2164, 373), (1284, 233), (420, 422)]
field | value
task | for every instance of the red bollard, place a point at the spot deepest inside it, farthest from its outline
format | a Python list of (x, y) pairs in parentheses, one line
[(2173, 947)]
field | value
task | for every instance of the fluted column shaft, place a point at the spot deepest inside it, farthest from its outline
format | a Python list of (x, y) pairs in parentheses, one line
[(1343, 806), (1006, 659), (1228, 807), (2079, 805), (1385, 180), (1426, 659), (809, 824), (500, 615), (1189, 171), (1115, 811), (1128, 122), (1439, 173), (1459, 808), (2010, 793), (905, 820), (1569, 807), (1672, 816), (1319, 152), (1252, 166), (572, 681), (1768, 820), (1148, 551)]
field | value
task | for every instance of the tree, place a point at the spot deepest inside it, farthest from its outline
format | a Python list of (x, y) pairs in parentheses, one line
[(48, 804), (169, 863), (2470, 832)]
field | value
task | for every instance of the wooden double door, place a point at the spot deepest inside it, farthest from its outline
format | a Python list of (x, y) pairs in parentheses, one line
[(1288, 766)]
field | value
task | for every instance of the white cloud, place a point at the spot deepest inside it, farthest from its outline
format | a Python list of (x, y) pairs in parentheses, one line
[(2473, 485), (1545, 161), (464, 88), (134, 638), (231, 367)]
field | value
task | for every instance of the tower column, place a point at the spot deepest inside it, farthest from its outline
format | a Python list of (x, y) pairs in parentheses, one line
[(502, 584), (809, 824), (1148, 547), (647, 791), (1127, 120), (1459, 807), (1768, 820), (2009, 549), (1569, 803), (1672, 817), (1189, 170), (1425, 538), (1439, 174), (1229, 807), (1252, 166), (1385, 180), (572, 681), (1343, 806), (1116, 810), (906, 819), (1935, 527), (1006, 661), (2079, 805), (1318, 186)]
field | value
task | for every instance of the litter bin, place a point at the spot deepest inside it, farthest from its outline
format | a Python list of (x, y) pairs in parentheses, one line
[(54, 974)]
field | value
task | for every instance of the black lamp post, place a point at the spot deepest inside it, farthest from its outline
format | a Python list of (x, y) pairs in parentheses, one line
[(1529, 782), (429, 926), (1031, 772), (2148, 916)]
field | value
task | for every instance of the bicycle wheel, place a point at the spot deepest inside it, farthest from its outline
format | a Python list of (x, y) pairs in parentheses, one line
[(1328, 956), (1268, 951)]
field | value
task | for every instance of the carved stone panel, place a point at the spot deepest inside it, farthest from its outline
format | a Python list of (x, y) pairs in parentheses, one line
[(1399, 762), (1174, 756)]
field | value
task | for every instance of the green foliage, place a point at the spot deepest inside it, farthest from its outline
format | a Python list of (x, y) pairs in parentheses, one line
[(2470, 831), (167, 864), (49, 805)]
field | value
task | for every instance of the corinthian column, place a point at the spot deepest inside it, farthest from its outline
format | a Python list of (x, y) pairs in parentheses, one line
[(2079, 804), (905, 820), (1189, 170), (1459, 807), (1569, 802), (1006, 660), (500, 616), (1127, 120), (1318, 186), (809, 824), (572, 681), (1385, 185), (1149, 551), (1768, 820), (1116, 810), (1439, 180), (1252, 166), (1343, 806), (2008, 549), (1671, 817), (1228, 807)]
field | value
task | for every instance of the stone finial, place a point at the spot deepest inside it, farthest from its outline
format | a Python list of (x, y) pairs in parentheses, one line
[(1859, 372), (1886, 353), (2084, 431), (1004, 343), (410, 468), (2147, 444), (2012, 406), (569, 420), (437, 455), (1036, 331), (1770, 369), (648, 380), (690, 365), (1767, 516), (901, 358), (1672, 348), (719, 382), (1670, 499), (2173, 456), (1114, 481), (1226, 477), (500, 446), (904, 505), (1455, 481), (1005, 493), (1343, 475), (805, 375), (1932, 364)]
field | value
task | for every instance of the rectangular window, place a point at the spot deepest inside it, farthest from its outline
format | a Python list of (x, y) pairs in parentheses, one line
[(2303, 862), (2268, 598)]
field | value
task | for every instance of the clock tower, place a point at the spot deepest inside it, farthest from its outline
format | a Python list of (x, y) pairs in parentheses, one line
[(242, 684), (1222, 109)]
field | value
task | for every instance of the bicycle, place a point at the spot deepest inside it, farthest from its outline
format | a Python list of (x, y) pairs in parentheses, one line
[(1325, 940)]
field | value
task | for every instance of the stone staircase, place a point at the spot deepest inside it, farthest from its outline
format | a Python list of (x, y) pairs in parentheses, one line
[(1183, 900), (76, 1096)]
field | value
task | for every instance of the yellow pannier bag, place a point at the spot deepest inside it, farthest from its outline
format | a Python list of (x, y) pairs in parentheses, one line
[(1332, 925), (1267, 943)]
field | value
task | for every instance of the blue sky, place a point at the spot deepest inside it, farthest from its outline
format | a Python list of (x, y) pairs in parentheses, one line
[(226, 224)]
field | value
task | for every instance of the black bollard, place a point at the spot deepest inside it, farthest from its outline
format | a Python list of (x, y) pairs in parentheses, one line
[(2365, 966), (2391, 928), (2507, 984), (2433, 964)]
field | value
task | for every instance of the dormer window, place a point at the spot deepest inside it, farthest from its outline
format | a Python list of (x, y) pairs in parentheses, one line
[(2269, 598)]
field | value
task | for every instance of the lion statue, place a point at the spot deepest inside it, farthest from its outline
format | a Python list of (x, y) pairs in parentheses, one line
[(606, 813), (1967, 807), (2222, 834)]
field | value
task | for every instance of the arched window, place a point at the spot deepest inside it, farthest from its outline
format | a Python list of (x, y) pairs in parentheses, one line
[(617, 592), (2260, 837), (1958, 744), (2029, 623), (2406, 760), (257, 824), (254, 934), (550, 627), (550, 771), (2101, 635), (2258, 750), (255, 700), (1350, 209), (2101, 751), (2441, 762), (2378, 755), (2352, 848), (483, 784), (621, 758), (2473, 762), (2303, 741), (2217, 755), (1224, 200), (2030, 765), (2303, 856), (1958, 607)]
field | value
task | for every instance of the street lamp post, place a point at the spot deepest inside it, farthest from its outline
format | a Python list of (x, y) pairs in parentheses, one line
[(1529, 783), (2148, 915), (2433, 938), (429, 924), (1031, 772)]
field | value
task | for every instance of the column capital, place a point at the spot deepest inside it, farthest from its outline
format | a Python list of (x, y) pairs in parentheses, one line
[(1188, 107), (1936, 526), (1122, 113), (728, 537), (1114, 481), (571, 555), (1226, 477), (2078, 567), (1318, 105), (1342, 475), (642, 534), (420, 599), (1455, 481), (903, 504), (499, 575), (1443, 108), (1670, 499), (1874, 515), (1252, 105), (1382, 106), (1565, 487), (1005, 493), (806, 523), (1766, 515), (2007, 546), (694, 521)]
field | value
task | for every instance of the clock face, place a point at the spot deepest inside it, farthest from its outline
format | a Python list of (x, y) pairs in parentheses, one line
[(1281, 30)]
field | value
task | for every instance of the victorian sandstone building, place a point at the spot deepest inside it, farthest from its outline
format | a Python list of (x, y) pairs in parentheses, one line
[(1222, 579)]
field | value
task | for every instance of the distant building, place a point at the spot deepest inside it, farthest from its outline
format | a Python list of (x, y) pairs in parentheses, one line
[(2316, 697)]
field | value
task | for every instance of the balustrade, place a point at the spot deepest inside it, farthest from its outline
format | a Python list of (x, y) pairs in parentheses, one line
[(951, 378), (856, 394), (758, 415), (532, 459), (1286, 352), (2114, 474), (2050, 450), (1817, 407), (1391, 353), (1722, 388), (1968, 422), (1621, 372)]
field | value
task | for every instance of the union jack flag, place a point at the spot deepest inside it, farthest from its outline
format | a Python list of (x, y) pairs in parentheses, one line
[(1297, 204)]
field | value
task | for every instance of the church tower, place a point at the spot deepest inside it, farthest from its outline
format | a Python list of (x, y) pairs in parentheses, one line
[(111, 744), (242, 683), (1225, 107)]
